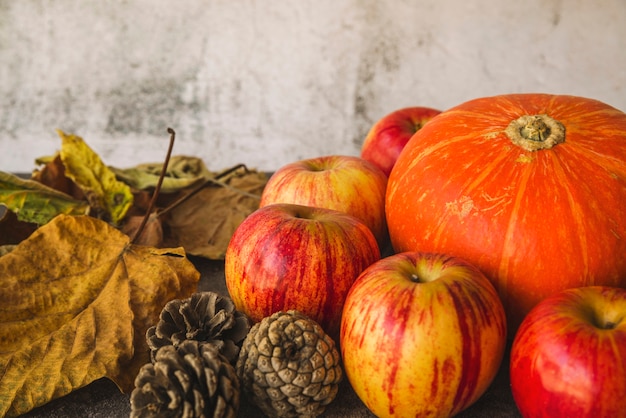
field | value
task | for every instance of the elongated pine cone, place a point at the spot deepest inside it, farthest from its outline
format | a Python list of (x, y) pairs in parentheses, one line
[(187, 381), (288, 366), (205, 317)]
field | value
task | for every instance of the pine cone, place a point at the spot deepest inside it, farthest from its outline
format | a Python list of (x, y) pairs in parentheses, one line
[(191, 380), (288, 366), (205, 317)]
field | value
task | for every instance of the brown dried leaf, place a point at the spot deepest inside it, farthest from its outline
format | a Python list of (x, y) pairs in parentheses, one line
[(152, 233), (204, 224), (52, 173), (77, 298)]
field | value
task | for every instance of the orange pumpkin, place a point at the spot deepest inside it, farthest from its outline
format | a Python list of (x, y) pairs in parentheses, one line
[(531, 188)]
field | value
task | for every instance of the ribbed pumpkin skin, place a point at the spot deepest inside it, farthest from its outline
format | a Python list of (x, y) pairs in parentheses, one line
[(535, 222)]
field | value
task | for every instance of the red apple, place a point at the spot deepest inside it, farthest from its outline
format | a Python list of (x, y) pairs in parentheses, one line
[(286, 256), (339, 182), (568, 358), (389, 135), (421, 335)]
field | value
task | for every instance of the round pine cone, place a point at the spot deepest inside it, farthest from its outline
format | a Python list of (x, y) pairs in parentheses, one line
[(191, 380), (204, 317), (288, 366)]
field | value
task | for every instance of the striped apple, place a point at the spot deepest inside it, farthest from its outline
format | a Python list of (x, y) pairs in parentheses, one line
[(388, 136), (286, 256), (568, 358), (339, 182), (422, 335)]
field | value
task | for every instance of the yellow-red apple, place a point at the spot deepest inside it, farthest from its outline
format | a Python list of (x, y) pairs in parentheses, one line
[(388, 136), (421, 335), (568, 357), (286, 256), (339, 182)]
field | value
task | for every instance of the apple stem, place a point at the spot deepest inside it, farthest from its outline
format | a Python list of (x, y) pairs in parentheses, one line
[(535, 132), (415, 278), (605, 324), (605, 321)]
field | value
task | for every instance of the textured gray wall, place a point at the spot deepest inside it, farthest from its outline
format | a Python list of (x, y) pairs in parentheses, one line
[(269, 82)]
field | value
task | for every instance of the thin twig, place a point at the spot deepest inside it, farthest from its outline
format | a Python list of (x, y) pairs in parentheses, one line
[(208, 182), (157, 189)]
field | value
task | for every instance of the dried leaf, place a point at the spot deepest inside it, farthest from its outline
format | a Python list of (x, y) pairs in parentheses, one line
[(7, 248), (103, 191), (34, 202), (204, 224), (182, 172), (152, 233), (77, 298), (52, 173)]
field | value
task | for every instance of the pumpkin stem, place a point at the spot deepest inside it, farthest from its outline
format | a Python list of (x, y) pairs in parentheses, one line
[(535, 132)]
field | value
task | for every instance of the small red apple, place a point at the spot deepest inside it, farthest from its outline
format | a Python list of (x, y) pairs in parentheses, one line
[(285, 256), (421, 335), (389, 135), (339, 182), (568, 358)]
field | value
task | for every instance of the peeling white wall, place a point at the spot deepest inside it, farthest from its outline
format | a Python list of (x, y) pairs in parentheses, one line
[(269, 82)]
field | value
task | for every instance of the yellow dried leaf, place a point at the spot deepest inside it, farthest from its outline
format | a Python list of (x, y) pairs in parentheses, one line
[(103, 191), (5, 249), (77, 298)]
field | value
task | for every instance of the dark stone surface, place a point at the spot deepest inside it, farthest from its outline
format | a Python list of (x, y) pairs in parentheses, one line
[(103, 399)]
